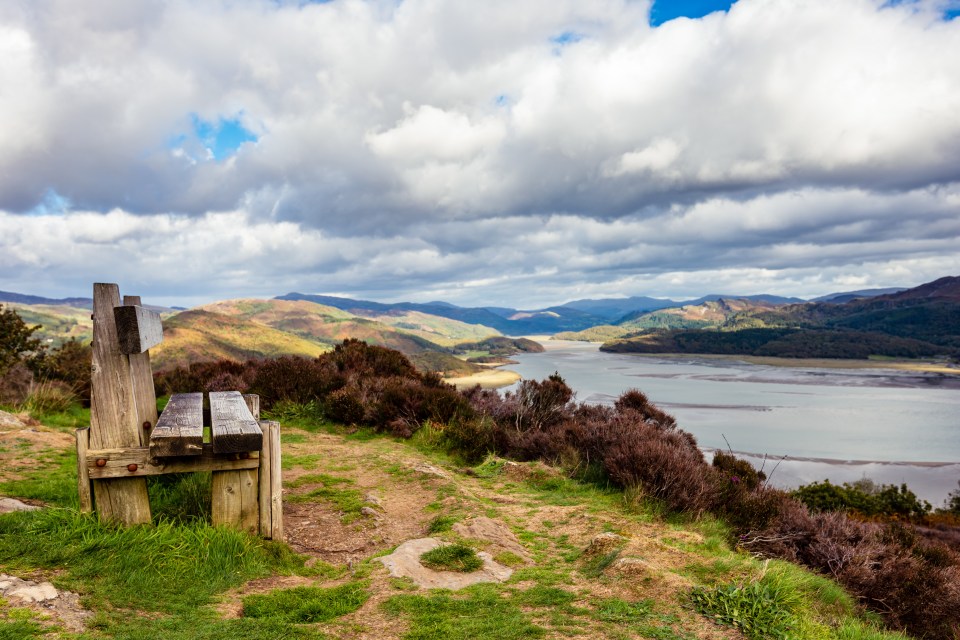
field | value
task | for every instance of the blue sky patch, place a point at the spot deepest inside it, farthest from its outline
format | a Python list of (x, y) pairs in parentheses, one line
[(666, 10), (52, 204), (567, 37), (223, 138)]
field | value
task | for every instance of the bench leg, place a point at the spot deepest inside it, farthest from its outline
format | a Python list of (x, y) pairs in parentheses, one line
[(83, 476)]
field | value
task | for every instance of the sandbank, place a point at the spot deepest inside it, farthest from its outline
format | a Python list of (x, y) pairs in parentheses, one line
[(491, 379)]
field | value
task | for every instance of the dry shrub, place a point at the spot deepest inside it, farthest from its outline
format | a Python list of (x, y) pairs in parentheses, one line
[(15, 384), (345, 406), (664, 465), (295, 379), (914, 585), (49, 396)]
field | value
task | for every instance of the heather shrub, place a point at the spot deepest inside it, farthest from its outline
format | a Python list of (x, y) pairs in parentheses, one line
[(634, 400), (345, 405), (539, 405), (206, 376), (472, 437), (357, 359), (916, 587), (295, 379), (664, 466), (15, 384)]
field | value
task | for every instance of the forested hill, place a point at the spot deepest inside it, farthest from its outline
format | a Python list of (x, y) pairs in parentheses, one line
[(914, 323)]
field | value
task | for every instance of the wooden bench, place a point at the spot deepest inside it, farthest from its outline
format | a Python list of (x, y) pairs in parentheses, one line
[(127, 441)]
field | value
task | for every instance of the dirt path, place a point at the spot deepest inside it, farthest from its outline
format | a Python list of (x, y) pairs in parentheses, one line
[(348, 500)]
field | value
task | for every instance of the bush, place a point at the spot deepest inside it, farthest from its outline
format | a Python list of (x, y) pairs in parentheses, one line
[(15, 384), (914, 585), (863, 498), (69, 364), (664, 465)]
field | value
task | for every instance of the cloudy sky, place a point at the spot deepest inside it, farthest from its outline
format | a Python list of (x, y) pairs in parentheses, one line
[(509, 152)]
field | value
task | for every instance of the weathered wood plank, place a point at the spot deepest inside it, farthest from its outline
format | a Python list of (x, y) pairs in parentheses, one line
[(232, 427), (235, 501), (83, 477), (113, 413), (115, 463), (266, 502), (252, 401), (141, 378), (271, 475), (179, 430), (138, 329)]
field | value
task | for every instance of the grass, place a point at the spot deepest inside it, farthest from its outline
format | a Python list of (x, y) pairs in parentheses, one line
[(348, 501), (52, 480), (475, 612), (787, 603), (307, 604), (452, 557), (164, 568)]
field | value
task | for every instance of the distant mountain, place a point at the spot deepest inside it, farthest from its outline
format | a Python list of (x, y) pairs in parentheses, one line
[(517, 323), (918, 322), (616, 308), (847, 296), (763, 297), (22, 298)]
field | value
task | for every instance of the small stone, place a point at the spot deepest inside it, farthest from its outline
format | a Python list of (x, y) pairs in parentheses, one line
[(35, 593), (404, 562), (12, 504), (430, 470), (373, 499), (369, 512)]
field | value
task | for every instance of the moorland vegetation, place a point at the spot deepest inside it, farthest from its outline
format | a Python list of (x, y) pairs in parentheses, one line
[(896, 556)]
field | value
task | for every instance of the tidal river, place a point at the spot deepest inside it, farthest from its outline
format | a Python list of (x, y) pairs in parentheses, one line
[(888, 425)]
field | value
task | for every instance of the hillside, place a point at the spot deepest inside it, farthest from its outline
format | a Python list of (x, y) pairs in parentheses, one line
[(709, 314), (403, 331), (58, 323), (921, 322), (510, 322), (199, 335)]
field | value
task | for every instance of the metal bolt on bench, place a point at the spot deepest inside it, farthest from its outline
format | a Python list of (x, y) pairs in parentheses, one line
[(127, 441)]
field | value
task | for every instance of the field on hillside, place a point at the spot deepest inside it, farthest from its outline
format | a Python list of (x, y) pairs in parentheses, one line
[(578, 559)]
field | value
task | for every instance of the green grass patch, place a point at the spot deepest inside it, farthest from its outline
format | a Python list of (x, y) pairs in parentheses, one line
[(72, 417), (475, 612), (52, 480), (181, 497), (163, 568), (442, 524), (307, 604), (623, 612), (20, 630), (348, 501), (452, 557)]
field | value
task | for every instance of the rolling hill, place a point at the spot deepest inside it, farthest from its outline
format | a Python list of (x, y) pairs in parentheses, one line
[(920, 322)]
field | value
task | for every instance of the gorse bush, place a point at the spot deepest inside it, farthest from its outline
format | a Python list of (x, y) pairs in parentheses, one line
[(863, 498)]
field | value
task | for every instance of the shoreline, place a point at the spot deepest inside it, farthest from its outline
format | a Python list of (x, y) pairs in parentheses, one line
[(912, 366)]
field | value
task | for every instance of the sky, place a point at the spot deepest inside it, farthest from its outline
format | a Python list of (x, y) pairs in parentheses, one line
[(515, 153)]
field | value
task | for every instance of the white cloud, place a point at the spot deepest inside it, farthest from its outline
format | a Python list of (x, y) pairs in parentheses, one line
[(412, 146)]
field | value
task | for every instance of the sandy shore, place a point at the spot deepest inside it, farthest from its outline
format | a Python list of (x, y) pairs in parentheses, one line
[(492, 379)]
